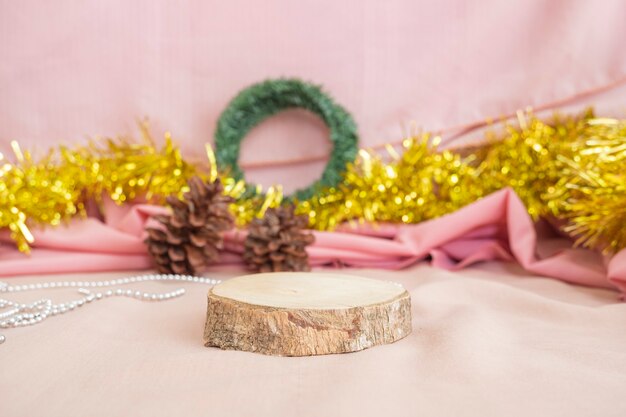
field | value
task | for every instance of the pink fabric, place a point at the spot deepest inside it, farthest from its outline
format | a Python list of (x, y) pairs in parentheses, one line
[(487, 341), (74, 69), (71, 69), (496, 227)]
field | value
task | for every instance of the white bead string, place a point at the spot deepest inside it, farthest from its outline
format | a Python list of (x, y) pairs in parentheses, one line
[(20, 314)]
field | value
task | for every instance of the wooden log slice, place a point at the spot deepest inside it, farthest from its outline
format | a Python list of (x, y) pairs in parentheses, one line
[(300, 314)]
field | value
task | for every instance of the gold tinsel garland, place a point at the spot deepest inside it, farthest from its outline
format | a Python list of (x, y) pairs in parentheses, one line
[(570, 169)]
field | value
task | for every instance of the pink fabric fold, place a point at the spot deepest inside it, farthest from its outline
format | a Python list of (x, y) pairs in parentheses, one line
[(494, 228)]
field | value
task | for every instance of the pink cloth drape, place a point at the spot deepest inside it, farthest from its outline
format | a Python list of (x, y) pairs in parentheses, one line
[(75, 69), (70, 70), (496, 227)]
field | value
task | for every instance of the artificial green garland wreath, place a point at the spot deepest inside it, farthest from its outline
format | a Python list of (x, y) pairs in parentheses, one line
[(265, 99)]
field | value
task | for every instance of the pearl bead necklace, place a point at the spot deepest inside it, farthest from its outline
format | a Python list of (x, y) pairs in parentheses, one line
[(19, 314)]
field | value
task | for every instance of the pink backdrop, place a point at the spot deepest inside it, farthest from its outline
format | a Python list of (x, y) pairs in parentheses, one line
[(72, 69)]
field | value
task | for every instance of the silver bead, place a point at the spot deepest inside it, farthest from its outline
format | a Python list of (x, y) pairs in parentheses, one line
[(19, 314)]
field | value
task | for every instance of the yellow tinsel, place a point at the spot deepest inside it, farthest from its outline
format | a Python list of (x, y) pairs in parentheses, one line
[(34, 193), (417, 185), (569, 169), (591, 196), (55, 188), (423, 183)]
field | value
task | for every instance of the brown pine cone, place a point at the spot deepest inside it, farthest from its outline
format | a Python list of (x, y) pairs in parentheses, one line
[(277, 242), (192, 233)]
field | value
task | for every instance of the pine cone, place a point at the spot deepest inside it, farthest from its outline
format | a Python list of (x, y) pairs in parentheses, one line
[(192, 234), (277, 242)]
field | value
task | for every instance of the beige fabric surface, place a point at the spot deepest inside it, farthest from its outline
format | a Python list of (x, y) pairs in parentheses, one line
[(486, 341)]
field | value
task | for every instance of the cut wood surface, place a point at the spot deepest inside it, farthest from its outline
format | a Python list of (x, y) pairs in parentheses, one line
[(300, 313)]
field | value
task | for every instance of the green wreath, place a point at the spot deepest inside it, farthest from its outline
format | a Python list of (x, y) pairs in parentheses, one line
[(265, 99)]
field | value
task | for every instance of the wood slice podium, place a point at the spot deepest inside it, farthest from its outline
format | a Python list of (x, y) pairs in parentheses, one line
[(305, 313)]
